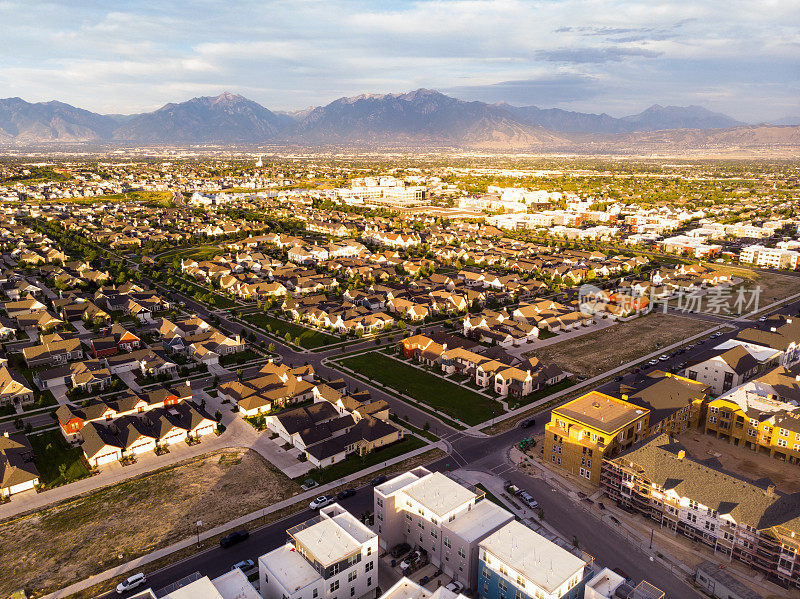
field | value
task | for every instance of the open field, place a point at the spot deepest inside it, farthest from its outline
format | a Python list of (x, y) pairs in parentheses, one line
[(452, 399), (595, 353), (199, 253), (774, 285), (302, 336), (71, 541), (742, 461)]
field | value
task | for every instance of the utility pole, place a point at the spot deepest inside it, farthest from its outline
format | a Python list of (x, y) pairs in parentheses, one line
[(652, 531), (199, 524)]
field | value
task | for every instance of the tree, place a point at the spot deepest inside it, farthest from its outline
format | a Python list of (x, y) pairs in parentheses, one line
[(239, 373), (288, 337), (271, 348)]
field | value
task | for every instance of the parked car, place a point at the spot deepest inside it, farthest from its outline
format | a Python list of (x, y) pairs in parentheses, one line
[(417, 557), (131, 583), (345, 493), (320, 502), (233, 538), (589, 501), (601, 505), (762, 319), (245, 564), (614, 520), (400, 550), (634, 371), (528, 422), (663, 357), (379, 480), (455, 586)]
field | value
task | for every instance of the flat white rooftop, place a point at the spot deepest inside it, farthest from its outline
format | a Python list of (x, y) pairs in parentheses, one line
[(327, 541), (405, 588), (289, 568), (438, 493), (234, 585), (542, 562), (485, 516), (606, 582), (398, 482)]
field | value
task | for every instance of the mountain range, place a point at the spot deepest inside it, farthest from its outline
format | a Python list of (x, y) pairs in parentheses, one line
[(421, 118)]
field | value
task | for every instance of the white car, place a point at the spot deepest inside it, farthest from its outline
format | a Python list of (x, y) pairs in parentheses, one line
[(320, 502), (455, 586), (663, 357), (131, 583)]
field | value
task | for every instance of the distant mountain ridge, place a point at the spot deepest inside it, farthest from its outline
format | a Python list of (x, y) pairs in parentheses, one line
[(421, 118)]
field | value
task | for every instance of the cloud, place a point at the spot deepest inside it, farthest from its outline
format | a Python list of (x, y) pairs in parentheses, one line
[(602, 55), (594, 55)]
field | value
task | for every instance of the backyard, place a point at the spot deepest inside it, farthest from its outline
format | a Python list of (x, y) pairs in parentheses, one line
[(78, 538), (57, 462), (452, 399), (597, 352), (303, 336)]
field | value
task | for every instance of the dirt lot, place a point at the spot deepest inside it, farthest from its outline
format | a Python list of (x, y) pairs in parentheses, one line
[(774, 286), (69, 542), (743, 461), (595, 353)]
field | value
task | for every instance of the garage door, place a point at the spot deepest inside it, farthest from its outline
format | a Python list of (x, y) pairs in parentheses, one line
[(174, 438), (145, 447), (106, 459), (205, 430)]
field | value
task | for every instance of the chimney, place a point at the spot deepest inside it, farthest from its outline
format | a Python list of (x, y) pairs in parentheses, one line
[(681, 454)]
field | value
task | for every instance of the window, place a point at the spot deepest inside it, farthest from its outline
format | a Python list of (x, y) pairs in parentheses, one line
[(446, 541), (461, 552), (408, 516), (334, 569), (368, 566), (502, 584), (434, 534), (314, 594), (520, 582), (519, 595), (485, 572), (369, 581), (369, 550), (379, 501), (352, 576), (781, 442), (352, 591), (334, 586)]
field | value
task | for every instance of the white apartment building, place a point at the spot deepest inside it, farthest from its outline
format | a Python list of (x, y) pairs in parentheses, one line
[(405, 588), (434, 512), (770, 257), (517, 562), (231, 585), (332, 556)]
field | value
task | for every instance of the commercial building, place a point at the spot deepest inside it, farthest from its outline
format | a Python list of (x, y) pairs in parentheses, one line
[(517, 562), (584, 431), (436, 513), (331, 556), (770, 257)]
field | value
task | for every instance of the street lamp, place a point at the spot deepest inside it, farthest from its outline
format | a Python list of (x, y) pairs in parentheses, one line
[(199, 524)]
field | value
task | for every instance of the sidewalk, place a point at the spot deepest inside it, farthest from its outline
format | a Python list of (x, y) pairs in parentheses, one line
[(137, 563)]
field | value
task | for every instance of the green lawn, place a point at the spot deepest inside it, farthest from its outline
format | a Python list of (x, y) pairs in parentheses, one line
[(537, 395), (58, 463), (247, 355), (454, 400), (199, 253), (354, 462), (301, 335)]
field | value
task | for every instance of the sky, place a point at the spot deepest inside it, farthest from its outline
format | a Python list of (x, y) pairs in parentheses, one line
[(619, 57)]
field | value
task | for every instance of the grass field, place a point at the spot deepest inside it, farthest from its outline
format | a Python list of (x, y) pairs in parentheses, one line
[(597, 352), (199, 253), (452, 399), (60, 545), (301, 335), (57, 462)]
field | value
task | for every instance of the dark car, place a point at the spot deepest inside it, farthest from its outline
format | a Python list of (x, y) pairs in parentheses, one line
[(379, 480), (528, 422), (635, 370), (618, 378), (614, 520), (233, 538), (400, 550), (345, 493)]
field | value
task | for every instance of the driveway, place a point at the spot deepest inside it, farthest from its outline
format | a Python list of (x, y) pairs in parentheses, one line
[(60, 393), (130, 379)]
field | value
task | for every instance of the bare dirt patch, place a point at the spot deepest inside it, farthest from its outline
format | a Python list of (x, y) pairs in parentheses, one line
[(743, 461), (71, 541), (774, 286), (597, 352)]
